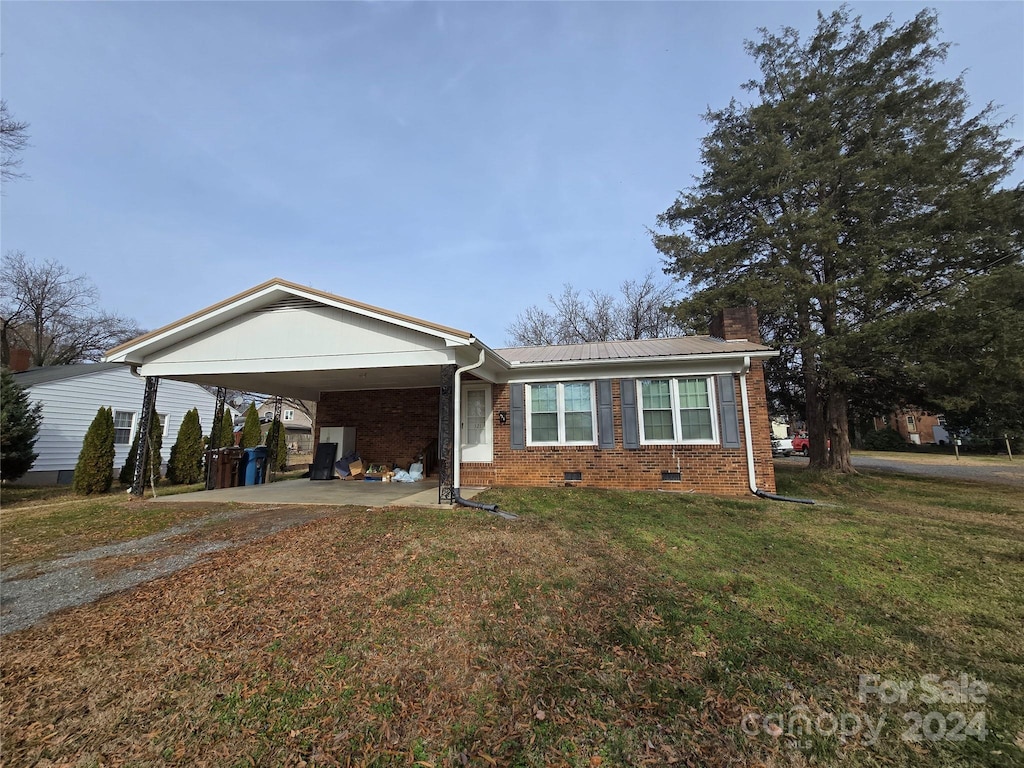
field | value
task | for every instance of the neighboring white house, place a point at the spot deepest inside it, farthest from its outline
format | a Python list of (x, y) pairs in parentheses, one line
[(72, 394)]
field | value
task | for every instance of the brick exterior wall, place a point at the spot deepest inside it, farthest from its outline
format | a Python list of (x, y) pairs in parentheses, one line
[(393, 426), (703, 468)]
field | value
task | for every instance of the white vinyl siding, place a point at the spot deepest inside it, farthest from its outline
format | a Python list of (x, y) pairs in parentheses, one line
[(70, 405), (677, 411), (561, 414)]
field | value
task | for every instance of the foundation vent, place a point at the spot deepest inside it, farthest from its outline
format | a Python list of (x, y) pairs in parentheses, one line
[(671, 477), (573, 475)]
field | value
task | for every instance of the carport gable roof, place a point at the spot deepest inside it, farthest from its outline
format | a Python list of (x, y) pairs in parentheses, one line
[(273, 293)]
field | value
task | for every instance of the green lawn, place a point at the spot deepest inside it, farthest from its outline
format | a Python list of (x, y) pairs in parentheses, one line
[(602, 628)]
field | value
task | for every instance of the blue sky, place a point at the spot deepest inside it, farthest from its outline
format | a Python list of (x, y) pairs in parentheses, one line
[(452, 161)]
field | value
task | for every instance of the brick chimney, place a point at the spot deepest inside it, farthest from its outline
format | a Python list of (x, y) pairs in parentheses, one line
[(21, 360), (736, 323)]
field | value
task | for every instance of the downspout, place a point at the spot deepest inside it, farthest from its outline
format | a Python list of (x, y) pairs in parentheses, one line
[(751, 475), (457, 447)]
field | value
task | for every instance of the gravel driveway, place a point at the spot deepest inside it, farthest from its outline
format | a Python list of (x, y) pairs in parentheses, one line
[(1010, 473), (32, 591)]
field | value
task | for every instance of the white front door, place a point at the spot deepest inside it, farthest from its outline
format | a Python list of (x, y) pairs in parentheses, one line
[(476, 428)]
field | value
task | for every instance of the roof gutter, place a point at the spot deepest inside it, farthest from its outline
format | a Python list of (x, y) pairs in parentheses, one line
[(746, 356), (457, 440)]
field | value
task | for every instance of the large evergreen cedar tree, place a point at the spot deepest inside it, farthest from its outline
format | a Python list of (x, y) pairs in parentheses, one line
[(94, 472), (19, 428), (967, 358), (854, 190)]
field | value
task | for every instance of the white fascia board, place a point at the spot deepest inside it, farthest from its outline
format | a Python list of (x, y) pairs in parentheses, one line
[(494, 368), (253, 301), (291, 364), (199, 324), (735, 362)]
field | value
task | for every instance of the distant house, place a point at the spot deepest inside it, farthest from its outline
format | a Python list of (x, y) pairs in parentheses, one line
[(916, 426), (298, 426), (72, 394)]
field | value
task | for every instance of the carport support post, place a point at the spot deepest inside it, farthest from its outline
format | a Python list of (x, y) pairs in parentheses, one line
[(148, 406), (446, 437), (215, 430)]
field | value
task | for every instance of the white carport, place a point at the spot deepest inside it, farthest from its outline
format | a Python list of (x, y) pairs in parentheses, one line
[(281, 338)]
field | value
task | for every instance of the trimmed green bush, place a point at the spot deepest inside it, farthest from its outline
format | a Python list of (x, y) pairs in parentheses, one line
[(227, 430), (884, 440), (94, 472), (19, 428), (156, 441), (186, 463), (127, 474), (276, 437), (251, 433)]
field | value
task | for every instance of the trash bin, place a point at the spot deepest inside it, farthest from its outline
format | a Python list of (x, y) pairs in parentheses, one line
[(223, 463), (253, 465)]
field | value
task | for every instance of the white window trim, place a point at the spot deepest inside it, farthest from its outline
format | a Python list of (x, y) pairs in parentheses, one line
[(288, 415), (677, 428), (131, 430), (560, 394), (165, 423)]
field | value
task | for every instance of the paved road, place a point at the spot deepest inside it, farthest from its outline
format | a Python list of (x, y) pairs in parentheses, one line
[(1010, 473)]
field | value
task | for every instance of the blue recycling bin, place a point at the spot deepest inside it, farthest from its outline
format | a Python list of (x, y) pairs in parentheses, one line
[(252, 467)]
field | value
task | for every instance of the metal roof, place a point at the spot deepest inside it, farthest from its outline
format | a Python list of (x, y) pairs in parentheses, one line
[(680, 346), (46, 374)]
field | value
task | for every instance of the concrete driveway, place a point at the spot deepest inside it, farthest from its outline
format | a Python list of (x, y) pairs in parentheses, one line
[(357, 493)]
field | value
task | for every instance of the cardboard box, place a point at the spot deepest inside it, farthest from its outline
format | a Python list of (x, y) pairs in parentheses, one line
[(356, 469)]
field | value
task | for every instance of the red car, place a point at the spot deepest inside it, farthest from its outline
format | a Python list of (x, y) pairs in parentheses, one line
[(802, 445)]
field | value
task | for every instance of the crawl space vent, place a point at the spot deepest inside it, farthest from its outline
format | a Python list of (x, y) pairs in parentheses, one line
[(671, 477)]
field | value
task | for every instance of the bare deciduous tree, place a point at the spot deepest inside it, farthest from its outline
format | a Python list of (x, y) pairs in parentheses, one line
[(54, 314), (13, 139), (640, 312)]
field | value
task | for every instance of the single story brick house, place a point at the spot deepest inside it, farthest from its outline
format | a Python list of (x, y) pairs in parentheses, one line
[(681, 414)]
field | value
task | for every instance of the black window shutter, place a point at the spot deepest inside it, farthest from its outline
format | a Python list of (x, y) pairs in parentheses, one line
[(630, 425), (727, 411), (517, 397), (605, 420)]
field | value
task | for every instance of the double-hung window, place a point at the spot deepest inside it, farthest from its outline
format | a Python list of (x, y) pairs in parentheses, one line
[(677, 410), (123, 421), (561, 414)]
